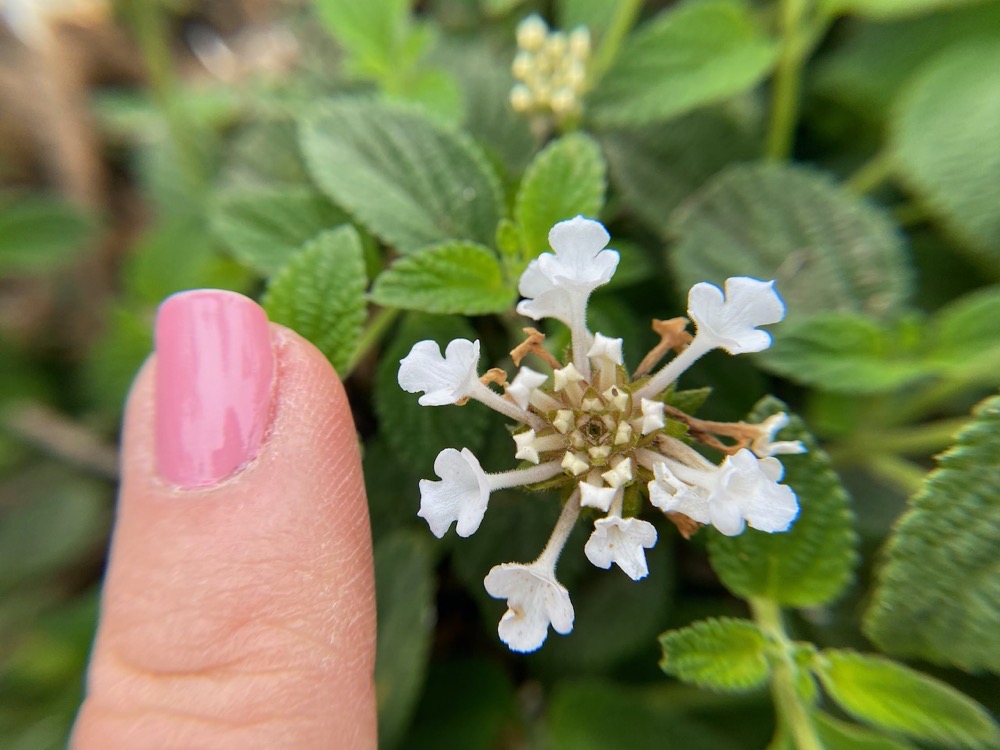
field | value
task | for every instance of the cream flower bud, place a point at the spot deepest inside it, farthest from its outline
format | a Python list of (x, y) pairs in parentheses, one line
[(652, 416), (532, 33), (592, 496), (524, 383)]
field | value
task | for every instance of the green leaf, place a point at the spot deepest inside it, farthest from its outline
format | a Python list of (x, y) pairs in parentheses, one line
[(404, 594), (320, 294), (689, 56), (452, 277), (371, 31), (840, 735), (964, 338), (596, 15), (418, 433), (40, 233), (657, 167), (938, 594), (567, 178), (845, 353), (810, 564), (896, 698), (886, 9), (724, 654), (944, 139), (264, 227), (406, 178), (177, 254), (828, 249), (115, 357)]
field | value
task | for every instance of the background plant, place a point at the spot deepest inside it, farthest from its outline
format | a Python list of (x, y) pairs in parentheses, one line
[(358, 167)]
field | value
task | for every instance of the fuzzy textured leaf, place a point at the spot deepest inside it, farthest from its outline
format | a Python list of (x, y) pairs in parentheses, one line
[(371, 31), (452, 277), (418, 433), (950, 534), (844, 353), (404, 593), (409, 180), (722, 654), (658, 166), (321, 294), (828, 249), (944, 139), (689, 56), (891, 696), (566, 179), (263, 228), (810, 564)]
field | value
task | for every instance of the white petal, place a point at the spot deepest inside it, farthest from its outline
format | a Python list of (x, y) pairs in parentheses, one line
[(606, 348), (751, 484), (443, 380), (621, 541), (461, 496), (558, 285), (652, 416), (524, 383), (730, 321), (592, 496), (670, 494), (535, 600), (726, 516)]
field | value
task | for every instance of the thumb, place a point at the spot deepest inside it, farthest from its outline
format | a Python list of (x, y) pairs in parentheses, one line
[(238, 609)]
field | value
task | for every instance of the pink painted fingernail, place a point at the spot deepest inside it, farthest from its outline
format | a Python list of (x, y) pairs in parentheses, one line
[(214, 368)]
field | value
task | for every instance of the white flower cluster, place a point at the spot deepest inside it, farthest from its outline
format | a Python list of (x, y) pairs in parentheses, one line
[(588, 426), (551, 69)]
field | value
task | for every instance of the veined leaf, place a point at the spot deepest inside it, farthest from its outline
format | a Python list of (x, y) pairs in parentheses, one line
[(944, 139), (404, 593), (811, 563), (406, 178), (371, 31), (828, 249), (844, 353), (321, 294), (689, 56), (724, 654), (881, 692), (657, 167), (566, 179), (452, 277), (938, 595), (263, 228)]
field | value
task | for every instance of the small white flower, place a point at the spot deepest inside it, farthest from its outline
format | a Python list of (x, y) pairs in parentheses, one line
[(564, 376), (764, 445), (592, 496), (620, 474), (461, 496), (606, 348), (652, 416), (730, 321), (744, 489), (443, 380), (564, 421), (535, 600), (526, 450), (621, 541), (575, 463), (558, 285), (524, 384)]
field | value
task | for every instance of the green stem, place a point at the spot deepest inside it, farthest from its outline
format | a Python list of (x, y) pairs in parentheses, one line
[(626, 11), (787, 79), (152, 35), (872, 173), (377, 327), (793, 713)]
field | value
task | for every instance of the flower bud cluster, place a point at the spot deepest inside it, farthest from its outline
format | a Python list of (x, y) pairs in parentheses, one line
[(550, 68), (593, 430)]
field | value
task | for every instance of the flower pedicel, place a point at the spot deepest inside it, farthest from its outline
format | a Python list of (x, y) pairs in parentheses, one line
[(591, 428)]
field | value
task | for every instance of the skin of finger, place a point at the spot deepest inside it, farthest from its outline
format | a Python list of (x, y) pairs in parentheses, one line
[(242, 615)]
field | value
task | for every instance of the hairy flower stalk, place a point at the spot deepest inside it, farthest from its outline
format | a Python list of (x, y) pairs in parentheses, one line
[(587, 427)]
